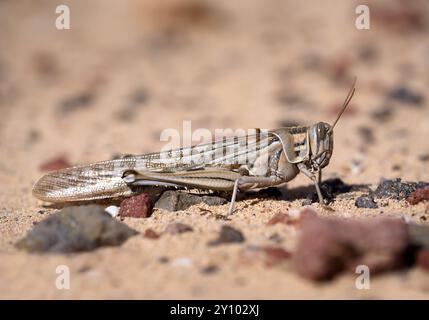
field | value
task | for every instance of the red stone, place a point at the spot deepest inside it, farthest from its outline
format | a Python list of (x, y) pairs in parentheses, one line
[(422, 259), (57, 163), (150, 234), (329, 246), (275, 255), (419, 195), (139, 206), (279, 218)]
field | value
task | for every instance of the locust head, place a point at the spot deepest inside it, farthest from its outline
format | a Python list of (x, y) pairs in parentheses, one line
[(321, 144), (321, 137)]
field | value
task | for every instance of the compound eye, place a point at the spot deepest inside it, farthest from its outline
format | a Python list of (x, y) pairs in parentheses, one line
[(321, 133)]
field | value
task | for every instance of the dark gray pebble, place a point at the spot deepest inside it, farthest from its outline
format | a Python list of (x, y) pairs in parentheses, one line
[(228, 235), (74, 229), (178, 200), (396, 189), (210, 269), (366, 202), (405, 95), (79, 101)]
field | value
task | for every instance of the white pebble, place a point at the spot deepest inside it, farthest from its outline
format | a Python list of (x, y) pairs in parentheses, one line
[(182, 262), (112, 210)]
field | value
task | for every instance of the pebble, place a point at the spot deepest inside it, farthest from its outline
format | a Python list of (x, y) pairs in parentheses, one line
[(56, 163), (151, 234), (210, 269), (179, 200), (228, 235), (139, 206), (419, 195), (405, 95), (396, 189), (182, 262), (275, 255), (422, 259), (139, 96), (73, 103), (367, 134), (380, 243), (177, 228), (366, 202), (382, 115), (75, 229), (424, 157), (112, 210)]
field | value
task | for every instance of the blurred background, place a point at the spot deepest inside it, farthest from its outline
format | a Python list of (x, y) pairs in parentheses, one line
[(127, 70)]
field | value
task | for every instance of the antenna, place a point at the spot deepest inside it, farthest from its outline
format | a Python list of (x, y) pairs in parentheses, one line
[(345, 104)]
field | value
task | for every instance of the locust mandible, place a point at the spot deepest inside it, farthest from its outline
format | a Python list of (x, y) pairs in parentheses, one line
[(270, 158)]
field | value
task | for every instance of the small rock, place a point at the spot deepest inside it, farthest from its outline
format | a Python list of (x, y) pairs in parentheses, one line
[(177, 227), (74, 229), (368, 53), (366, 202), (396, 189), (419, 195), (382, 115), (139, 96), (367, 134), (79, 101), (419, 235), (396, 167), (422, 259), (150, 234), (57, 163), (177, 200), (381, 244), (279, 218), (139, 206), (275, 255), (163, 259), (182, 262), (424, 157), (227, 235), (405, 95), (210, 269), (112, 210), (400, 19), (45, 64)]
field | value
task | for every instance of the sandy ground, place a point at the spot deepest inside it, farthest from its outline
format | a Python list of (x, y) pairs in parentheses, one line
[(220, 64)]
